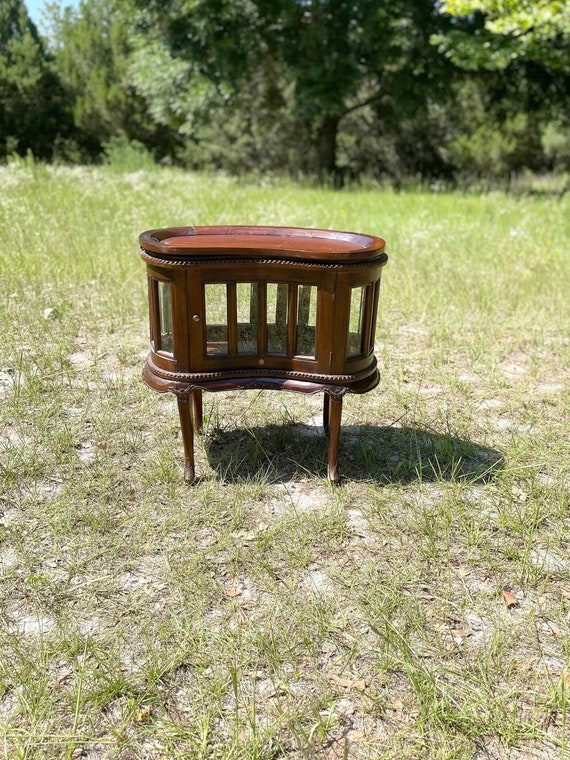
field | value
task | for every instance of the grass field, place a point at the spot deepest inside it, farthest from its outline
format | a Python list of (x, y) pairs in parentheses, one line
[(421, 610)]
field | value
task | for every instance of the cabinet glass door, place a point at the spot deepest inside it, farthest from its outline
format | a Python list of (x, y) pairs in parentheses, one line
[(277, 296), (216, 303), (247, 301), (306, 320)]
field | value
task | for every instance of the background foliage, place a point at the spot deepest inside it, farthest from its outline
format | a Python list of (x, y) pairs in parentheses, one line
[(336, 89)]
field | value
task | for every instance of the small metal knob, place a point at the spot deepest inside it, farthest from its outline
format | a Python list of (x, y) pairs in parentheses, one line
[(196, 317)]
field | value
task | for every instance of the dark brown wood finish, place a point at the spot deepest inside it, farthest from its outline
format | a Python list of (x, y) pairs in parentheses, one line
[(306, 348)]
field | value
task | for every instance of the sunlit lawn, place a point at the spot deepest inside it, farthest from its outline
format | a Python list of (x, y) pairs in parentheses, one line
[(421, 610)]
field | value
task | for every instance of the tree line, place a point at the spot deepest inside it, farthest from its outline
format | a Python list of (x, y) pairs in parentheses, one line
[(334, 89)]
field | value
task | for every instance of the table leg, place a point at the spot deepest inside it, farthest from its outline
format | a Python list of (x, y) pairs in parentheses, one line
[(186, 425), (335, 415)]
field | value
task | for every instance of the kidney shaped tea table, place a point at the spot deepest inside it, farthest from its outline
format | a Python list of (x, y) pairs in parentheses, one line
[(281, 308)]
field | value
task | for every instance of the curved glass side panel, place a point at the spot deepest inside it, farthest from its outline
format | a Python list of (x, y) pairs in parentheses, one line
[(356, 322), (166, 341)]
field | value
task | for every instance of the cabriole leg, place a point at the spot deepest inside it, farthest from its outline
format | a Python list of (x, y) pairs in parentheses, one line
[(185, 413)]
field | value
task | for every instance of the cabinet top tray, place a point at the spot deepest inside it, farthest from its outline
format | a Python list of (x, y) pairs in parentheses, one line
[(296, 243)]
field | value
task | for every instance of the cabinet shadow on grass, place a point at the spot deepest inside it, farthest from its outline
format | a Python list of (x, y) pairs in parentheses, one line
[(385, 455)]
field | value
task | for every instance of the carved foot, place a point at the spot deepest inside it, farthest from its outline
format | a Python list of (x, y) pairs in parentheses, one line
[(334, 476), (189, 475)]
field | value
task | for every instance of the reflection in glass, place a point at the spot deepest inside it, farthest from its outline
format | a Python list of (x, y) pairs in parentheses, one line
[(216, 299), (166, 342), (277, 298), (246, 296), (306, 320), (356, 322)]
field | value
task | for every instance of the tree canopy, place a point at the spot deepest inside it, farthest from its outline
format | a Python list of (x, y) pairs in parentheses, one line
[(512, 30), (322, 59)]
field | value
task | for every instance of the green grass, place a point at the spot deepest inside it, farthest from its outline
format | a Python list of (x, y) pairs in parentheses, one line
[(263, 613)]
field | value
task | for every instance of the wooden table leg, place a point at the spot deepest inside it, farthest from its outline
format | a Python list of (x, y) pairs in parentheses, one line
[(185, 413), (335, 415), (197, 404)]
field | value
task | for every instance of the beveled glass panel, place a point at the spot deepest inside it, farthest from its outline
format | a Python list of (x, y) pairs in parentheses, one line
[(277, 310), (165, 317), (247, 300), (356, 322), (216, 301), (306, 320)]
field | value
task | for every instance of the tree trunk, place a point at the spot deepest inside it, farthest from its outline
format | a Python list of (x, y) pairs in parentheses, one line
[(326, 148)]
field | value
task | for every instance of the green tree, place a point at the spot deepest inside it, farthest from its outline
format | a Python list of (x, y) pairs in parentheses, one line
[(520, 51), (320, 60), (91, 52), (348, 57), (193, 61), (32, 115), (510, 31)]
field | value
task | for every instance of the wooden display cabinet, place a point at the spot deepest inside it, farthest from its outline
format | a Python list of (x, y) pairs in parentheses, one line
[(282, 308)]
